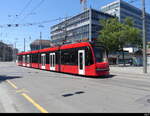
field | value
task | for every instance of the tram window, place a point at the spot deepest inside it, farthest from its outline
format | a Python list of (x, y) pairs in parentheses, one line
[(50, 59), (72, 57), (25, 58), (47, 58), (20, 58), (28, 58), (81, 60), (88, 57), (57, 57), (34, 58), (75, 57), (43, 60), (100, 54), (62, 57), (39, 58), (68, 57)]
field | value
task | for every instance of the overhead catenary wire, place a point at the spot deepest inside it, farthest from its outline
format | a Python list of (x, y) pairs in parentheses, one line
[(36, 7), (17, 16), (32, 23), (22, 11), (26, 6)]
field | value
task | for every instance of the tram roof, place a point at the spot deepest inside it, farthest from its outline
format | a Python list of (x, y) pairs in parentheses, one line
[(68, 46), (75, 45), (49, 49)]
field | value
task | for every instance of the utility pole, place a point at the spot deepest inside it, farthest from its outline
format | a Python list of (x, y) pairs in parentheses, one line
[(29, 41), (40, 40), (144, 38), (65, 39), (90, 25), (14, 52), (24, 45), (4, 57), (84, 4)]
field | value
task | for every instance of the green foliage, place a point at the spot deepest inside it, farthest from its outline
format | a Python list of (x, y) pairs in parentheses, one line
[(116, 35), (148, 45)]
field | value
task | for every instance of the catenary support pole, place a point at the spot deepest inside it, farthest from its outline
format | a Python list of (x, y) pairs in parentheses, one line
[(24, 45), (144, 39)]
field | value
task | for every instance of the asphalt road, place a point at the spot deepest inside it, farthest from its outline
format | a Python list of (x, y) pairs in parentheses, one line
[(25, 90)]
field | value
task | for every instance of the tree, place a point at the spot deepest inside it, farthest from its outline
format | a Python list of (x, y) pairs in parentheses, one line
[(131, 34), (110, 33), (148, 45), (115, 35)]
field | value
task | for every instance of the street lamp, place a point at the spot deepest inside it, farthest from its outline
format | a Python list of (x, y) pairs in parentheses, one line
[(40, 42), (15, 50)]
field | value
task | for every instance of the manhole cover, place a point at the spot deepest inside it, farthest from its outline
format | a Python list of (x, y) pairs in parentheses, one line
[(148, 100)]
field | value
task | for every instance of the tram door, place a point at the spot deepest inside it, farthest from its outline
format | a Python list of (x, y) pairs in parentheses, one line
[(52, 61), (17, 61), (81, 62), (24, 60), (43, 60), (28, 60)]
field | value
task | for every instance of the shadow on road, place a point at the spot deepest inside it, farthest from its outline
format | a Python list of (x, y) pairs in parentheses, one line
[(4, 78), (102, 77), (90, 77)]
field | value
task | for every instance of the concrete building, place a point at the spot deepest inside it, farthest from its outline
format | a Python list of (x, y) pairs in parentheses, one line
[(6, 52), (40, 44), (122, 9), (82, 27)]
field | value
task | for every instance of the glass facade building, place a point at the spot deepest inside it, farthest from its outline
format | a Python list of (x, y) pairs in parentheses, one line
[(82, 27), (123, 9)]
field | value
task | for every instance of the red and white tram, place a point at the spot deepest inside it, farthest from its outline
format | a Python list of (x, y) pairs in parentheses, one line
[(84, 58)]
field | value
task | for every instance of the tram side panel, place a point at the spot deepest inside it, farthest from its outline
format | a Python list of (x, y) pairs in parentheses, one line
[(35, 60), (75, 59), (78, 61)]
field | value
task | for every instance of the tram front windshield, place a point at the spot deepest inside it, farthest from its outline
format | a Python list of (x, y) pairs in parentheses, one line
[(100, 54)]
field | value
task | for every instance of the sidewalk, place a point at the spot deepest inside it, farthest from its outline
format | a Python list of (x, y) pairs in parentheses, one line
[(129, 70)]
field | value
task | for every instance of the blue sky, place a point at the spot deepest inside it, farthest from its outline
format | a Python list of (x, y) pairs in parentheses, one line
[(48, 10)]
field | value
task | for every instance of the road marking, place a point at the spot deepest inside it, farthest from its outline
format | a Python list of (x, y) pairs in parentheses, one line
[(34, 103), (6, 101), (13, 85), (21, 91)]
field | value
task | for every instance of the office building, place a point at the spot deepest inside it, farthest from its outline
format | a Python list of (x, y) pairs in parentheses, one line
[(82, 27), (122, 9), (6, 52)]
